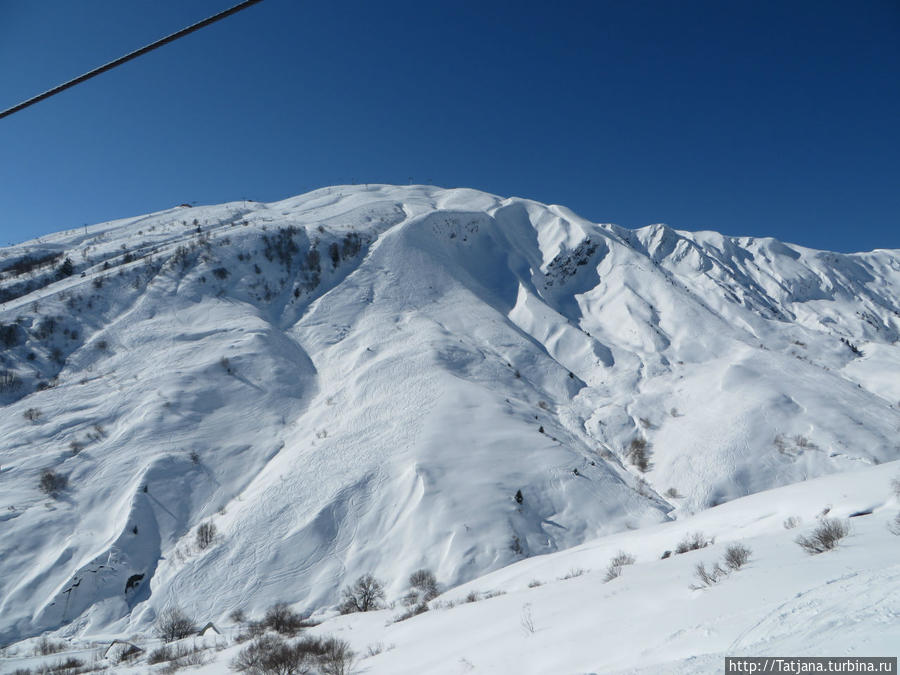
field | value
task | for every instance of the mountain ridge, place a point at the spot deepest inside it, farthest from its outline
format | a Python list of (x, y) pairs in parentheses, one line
[(361, 378)]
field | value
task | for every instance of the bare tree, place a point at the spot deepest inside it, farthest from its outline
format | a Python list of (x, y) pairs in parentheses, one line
[(173, 624), (422, 588), (206, 534), (282, 619), (363, 595)]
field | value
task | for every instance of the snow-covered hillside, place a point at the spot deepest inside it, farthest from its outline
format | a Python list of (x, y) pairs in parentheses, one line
[(361, 379)]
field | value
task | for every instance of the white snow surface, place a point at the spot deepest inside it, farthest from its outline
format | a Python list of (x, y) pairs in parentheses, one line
[(359, 379)]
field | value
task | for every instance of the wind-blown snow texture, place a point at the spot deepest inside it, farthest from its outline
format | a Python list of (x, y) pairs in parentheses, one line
[(361, 378)]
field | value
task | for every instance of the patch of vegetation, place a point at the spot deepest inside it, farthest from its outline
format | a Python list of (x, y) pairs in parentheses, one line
[(53, 483), (364, 595), (692, 542), (825, 537), (614, 570)]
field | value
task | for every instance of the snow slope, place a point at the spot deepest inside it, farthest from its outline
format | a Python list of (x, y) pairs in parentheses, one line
[(557, 613), (361, 378)]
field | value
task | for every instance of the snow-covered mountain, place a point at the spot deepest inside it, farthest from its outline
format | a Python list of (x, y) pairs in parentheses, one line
[(380, 378)]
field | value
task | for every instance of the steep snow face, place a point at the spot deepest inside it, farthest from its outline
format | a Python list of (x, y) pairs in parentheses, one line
[(362, 378)]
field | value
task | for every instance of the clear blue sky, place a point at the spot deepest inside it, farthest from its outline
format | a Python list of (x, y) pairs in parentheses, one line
[(749, 117)]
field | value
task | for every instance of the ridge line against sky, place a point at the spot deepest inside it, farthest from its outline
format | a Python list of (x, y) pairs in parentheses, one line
[(748, 119)]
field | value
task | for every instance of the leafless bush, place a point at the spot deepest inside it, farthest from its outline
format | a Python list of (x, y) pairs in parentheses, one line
[(206, 534), (527, 619), (364, 595), (9, 381), (336, 657), (572, 573), (46, 646), (791, 523), (189, 658), (894, 525), (266, 655), (708, 577), (639, 454), (825, 537), (673, 493), (171, 653), (173, 624), (374, 649), (692, 542), (534, 583), (237, 616), (53, 483), (32, 415), (271, 655), (736, 556), (473, 596), (282, 619), (895, 486), (614, 569), (422, 588)]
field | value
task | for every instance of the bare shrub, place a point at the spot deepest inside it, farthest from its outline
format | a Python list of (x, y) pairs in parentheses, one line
[(188, 657), (9, 381), (335, 657), (572, 573), (736, 556), (53, 483), (46, 646), (282, 619), (791, 523), (638, 454), (692, 542), (237, 616), (825, 537), (272, 655), (473, 596), (32, 415), (70, 665), (206, 534), (895, 486), (673, 493), (364, 595), (614, 569), (422, 588), (894, 525), (708, 577), (173, 624), (527, 619), (534, 583), (164, 653)]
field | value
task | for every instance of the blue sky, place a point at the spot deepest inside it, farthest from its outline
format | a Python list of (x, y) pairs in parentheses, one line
[(755, 118)]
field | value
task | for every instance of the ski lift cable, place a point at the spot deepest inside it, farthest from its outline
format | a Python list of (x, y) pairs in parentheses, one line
[(128, 57)]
